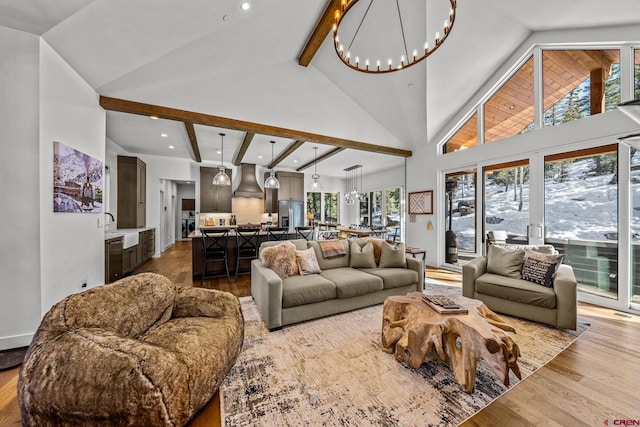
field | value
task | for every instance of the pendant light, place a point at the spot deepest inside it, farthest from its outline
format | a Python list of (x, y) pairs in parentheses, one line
[(272, 182), (316, 184), (221, 178)]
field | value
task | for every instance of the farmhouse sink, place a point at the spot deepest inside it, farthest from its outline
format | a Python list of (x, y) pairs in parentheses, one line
[(130, 237)]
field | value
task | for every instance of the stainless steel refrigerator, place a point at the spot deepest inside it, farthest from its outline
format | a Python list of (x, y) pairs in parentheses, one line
[(291, 214)]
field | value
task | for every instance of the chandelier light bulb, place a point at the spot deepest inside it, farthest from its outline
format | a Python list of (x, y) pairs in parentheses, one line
[(409, 58)]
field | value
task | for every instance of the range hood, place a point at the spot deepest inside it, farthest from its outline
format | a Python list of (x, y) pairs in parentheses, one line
[(248, 184)]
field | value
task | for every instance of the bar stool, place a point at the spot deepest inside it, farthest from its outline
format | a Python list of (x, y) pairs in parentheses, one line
[(277, 233), (214, 249), (247, 245), (305, 232)]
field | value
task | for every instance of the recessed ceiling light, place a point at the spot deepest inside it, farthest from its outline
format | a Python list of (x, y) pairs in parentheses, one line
[(164, 135), (295, 160), (226, 18), (245, 6), (171, 147), (259, 156), (153, 117), (219, 151)]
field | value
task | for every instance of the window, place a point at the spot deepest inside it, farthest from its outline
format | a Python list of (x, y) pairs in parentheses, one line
[(465, 137), (506, 199), (579, 83), (636, 74), (510, 110), (313, 206), (460, 236), (376, 207), (331, 207), (364, 211), (581, 215), (392, 207), (635, 224)]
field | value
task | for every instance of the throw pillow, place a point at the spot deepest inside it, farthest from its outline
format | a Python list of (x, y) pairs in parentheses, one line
[(505, 262), (392, 256), (377, 249), (307, 262), (362, 257), (540, 268), (281, 259)]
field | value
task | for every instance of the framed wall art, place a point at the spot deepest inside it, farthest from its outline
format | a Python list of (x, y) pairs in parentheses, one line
[(421, 202), (77, 180)]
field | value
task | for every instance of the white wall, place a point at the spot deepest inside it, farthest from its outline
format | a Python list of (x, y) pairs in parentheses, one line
[(71, 244), (19, 181)]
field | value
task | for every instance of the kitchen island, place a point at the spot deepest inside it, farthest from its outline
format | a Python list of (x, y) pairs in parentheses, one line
[(231, 245)]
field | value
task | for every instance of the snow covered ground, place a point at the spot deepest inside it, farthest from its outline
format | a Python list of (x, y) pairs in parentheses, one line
[(583, 207)]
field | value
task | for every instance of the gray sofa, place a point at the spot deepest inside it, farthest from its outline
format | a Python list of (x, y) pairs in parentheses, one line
[(556, 305), (338, 288)]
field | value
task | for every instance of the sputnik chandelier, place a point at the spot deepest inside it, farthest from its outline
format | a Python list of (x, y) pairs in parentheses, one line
[(379, 36), (352, 193)]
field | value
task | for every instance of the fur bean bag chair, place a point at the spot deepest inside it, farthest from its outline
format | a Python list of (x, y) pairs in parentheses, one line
[(138, 352)]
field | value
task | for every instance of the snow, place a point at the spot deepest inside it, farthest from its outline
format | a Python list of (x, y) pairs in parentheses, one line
[(584, 207)]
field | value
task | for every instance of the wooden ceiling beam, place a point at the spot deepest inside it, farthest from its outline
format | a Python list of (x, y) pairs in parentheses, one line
[(132, 107), (286, 153), (191, 133), (248, 137), (325, 156), (320, 32)]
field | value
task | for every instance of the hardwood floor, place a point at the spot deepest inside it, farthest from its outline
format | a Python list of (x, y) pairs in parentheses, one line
[(593, 380)]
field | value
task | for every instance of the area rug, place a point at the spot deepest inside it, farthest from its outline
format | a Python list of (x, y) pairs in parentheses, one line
[(333, 372)]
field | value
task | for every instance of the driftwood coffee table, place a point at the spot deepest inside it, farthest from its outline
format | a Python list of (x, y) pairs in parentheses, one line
[(415, 332)]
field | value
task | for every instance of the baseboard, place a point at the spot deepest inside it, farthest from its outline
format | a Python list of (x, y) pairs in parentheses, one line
[(16, 341)]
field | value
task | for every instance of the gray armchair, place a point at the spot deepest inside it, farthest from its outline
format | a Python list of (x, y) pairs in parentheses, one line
[(556, 306)]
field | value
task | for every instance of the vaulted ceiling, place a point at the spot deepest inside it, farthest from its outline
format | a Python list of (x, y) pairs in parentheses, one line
[(210, 58)]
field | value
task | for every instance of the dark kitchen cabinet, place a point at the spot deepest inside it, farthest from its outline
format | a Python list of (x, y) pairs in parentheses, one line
[(270, 198), (132, 192), (188, 204), (129, 259), (214, 198), (112, 259), (147, 244)]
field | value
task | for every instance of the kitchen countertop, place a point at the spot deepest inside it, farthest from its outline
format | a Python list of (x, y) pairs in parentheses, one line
[(120, 232)]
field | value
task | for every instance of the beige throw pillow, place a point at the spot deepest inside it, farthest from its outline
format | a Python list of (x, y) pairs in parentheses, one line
[(392, 256), (281, 259), (307, 262), (362, 257), (505, 262)]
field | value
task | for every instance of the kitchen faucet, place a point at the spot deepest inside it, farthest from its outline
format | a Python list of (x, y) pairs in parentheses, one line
[(113, 220)]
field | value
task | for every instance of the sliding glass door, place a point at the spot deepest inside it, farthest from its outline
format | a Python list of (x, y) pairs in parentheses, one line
[(506, 199), (581, 215), (635, 224), (460, 202)]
